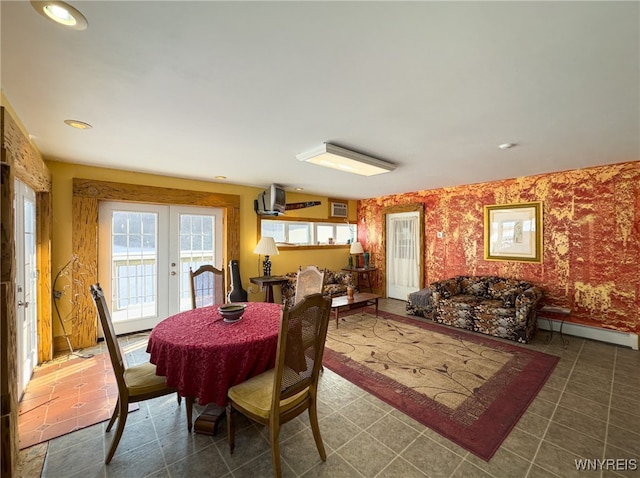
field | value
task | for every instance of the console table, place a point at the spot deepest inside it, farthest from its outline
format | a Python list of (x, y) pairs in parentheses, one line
[(268, 282), (363, 276), (562, 313)]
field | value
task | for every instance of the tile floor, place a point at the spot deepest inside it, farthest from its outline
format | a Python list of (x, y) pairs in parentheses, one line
[(65, 394), (589, 408)]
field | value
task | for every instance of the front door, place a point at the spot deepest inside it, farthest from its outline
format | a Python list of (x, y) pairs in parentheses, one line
[(26, 283), (145, 251), (403, 254)]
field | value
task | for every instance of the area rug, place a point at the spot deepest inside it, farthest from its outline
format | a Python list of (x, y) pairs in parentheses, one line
[(65, 395), (467, 387)]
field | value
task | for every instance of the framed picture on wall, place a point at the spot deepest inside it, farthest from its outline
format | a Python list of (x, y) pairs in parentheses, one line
[(513, 232)]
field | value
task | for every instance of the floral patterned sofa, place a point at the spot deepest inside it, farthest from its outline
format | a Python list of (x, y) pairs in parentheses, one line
[(335, 284), (488, 304)]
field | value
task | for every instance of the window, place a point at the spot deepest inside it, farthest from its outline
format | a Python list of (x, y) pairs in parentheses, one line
[(307, 233)]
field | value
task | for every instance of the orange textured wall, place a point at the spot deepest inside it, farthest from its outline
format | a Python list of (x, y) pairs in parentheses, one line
[(591, 238)]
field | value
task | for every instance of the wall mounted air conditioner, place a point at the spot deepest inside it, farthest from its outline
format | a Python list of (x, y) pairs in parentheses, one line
[(338, 209)]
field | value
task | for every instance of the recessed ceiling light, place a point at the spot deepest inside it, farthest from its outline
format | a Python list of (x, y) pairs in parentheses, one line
[(299, 189), (78, 124), (61, 13), (506, 145), (220, 177)]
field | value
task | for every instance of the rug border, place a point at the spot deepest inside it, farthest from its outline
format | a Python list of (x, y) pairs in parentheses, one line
[(516, 398)]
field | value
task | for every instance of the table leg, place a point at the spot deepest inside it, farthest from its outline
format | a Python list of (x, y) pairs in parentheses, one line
[(376, 307), (337, 312), (208, 421), (268, 297)]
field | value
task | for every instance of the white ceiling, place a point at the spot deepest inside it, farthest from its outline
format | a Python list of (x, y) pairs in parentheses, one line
[(200, 89)]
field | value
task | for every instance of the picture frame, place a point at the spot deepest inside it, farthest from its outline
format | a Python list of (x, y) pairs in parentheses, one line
[(513, 232)]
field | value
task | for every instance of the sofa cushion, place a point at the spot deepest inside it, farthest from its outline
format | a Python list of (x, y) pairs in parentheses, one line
[(506, 290), (473, 286), (446, 288)]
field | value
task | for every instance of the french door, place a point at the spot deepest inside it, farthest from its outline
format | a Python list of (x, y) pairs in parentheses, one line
[(26, 283), (145, 252), (403, 254)]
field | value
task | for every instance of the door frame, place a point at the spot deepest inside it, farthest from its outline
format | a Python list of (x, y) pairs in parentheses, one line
[(406, 214), (22, 194), (86, 195), (383, 246), (170, 283)]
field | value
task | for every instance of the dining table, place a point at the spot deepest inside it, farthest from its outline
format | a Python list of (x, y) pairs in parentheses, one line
[(203, 354)]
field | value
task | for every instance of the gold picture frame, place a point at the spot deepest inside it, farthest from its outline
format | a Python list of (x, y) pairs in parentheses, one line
[(513, 232)]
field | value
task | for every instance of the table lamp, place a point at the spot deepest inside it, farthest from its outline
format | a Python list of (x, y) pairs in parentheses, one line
[(267, 247), (356, 249)]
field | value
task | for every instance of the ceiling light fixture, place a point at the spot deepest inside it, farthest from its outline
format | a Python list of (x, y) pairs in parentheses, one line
[(506, 145), (61, 13), (78, 124), (342, 159), (220, 177)]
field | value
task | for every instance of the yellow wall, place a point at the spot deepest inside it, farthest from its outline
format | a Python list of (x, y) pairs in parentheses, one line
[(287, 260)]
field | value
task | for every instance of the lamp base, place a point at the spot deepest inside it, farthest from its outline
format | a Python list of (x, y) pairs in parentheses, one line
[(266, 266)]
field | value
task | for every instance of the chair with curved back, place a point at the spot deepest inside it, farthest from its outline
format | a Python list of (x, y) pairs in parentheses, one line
[(282, 393), (136, 383), (207, 286), (308, 281)]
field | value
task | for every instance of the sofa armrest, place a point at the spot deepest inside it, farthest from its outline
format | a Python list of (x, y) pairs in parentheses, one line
[(528, 300)]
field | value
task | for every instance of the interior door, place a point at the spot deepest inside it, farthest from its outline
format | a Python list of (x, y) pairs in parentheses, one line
[(403, 254), (26, 283), (145, 252)]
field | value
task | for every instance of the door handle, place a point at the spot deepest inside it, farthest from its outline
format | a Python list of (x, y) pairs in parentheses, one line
[(23, 304)]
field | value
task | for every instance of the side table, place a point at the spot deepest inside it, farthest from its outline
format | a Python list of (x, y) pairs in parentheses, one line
[(363, 276), (562, 313), (268, 282)]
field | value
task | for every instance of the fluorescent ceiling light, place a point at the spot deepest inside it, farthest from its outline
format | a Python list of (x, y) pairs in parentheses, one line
[(345, 160)]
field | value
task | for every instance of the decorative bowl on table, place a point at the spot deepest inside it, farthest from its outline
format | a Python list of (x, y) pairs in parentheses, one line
[(232, 312)]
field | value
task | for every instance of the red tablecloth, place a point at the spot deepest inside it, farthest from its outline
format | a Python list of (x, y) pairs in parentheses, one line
[(202, 356)]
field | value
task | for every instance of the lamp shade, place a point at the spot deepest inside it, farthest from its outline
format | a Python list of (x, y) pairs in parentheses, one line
[(356, 248), (266, 246)]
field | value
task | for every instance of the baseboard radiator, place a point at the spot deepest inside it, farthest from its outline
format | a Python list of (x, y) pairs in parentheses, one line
[(624, 339)]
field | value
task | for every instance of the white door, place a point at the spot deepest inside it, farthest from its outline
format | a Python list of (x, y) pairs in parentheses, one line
[(403, 254), (144, 255), (26, 283)]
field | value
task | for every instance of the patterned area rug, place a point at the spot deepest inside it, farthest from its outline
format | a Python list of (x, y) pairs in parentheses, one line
[(469, 388)]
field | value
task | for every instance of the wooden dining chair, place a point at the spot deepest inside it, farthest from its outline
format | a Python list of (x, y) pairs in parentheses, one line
[(207, 286), (285, 391), (136, 383), (308, 281)]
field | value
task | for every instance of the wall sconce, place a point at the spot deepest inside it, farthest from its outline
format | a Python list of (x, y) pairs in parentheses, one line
[(267, 247)]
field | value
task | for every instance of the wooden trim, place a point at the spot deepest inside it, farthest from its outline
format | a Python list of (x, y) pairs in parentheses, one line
[(87, 194), (8, 332), (329, 220), (44, 217), (382, 265), (22, 161)]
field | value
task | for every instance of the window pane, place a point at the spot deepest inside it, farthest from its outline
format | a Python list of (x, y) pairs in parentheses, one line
[(324, 233), (345, 233), (274, 229), (299, 233)]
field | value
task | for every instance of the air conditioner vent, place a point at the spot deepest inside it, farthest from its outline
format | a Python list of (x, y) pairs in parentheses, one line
[(338, 209)]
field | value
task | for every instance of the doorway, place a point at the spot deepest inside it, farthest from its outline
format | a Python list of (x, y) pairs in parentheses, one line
[(403, 252), (26, 283), (145, 252)]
